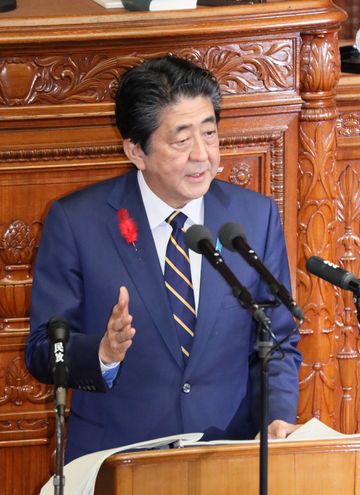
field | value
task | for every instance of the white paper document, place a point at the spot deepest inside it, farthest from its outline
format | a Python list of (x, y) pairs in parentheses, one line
[(310, 431), (154, 5), (172, 5), (80, 474), (110, 4), (316, 430)]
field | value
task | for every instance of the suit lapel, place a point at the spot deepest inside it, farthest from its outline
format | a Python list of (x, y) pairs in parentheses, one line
[(142, 263), (211, 287)]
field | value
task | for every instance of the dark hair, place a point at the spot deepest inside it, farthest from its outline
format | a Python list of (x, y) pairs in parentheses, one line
[(144, 90)]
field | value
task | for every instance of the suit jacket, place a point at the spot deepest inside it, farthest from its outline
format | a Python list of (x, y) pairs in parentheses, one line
[(81, 263)]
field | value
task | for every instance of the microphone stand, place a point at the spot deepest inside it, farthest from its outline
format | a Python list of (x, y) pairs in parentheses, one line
[(58, 332), (59, 478), (264, 343)]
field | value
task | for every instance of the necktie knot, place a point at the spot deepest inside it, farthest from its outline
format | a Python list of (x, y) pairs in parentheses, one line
[(177, 220)]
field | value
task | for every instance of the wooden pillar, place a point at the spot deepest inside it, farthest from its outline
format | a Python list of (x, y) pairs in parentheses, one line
[(320, 69)]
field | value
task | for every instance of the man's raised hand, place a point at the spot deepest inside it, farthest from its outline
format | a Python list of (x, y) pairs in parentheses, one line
[(119, 332)]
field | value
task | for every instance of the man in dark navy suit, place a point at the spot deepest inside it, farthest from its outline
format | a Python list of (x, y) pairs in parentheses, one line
[(134, 385)]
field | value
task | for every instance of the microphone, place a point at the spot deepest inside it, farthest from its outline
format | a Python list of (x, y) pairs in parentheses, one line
[(232, 236), (198, 238), (58, 333), (333, 273)]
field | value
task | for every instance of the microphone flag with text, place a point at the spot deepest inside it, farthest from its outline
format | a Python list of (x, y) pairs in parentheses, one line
[(58, 332), (333, 273), (198, 238), (232, 236)]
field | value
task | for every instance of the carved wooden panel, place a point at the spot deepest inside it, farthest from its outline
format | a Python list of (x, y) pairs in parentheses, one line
[(83, 77), (329, 379), (261, 164), (348, 124), (348, 256), (250, 66), (316, 224), (347, 249)]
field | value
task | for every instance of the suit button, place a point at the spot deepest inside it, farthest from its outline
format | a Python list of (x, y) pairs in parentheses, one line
[(186, 388)]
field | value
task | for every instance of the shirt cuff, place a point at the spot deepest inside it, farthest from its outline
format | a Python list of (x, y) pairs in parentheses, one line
[(106, 367), (109, 372)]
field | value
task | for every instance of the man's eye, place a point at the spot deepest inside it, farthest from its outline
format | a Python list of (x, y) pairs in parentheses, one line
[(183, 141)]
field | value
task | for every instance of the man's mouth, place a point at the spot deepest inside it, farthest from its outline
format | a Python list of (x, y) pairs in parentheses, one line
[(197, 174)]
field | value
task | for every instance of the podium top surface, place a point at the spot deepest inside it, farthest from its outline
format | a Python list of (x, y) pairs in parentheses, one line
[(310, 467), (41, 20), (277, 447)]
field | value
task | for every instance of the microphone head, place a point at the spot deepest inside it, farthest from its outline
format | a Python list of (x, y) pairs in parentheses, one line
[(330, 272), (194, 235), (58, 329), (230, 231), (314, 264)]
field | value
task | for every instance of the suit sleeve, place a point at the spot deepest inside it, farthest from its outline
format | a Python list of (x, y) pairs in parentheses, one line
[(284, 365), (58, 291)]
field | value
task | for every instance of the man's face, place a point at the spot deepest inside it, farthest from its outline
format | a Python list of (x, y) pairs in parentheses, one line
[(183, 155)]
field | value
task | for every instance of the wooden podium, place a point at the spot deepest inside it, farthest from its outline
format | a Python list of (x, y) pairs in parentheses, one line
[(330, 467)]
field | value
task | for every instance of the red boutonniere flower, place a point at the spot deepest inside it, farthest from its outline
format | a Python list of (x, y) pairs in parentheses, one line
[(127, 226)]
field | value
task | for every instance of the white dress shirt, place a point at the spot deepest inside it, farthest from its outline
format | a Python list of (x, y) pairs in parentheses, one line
[(157, 211)]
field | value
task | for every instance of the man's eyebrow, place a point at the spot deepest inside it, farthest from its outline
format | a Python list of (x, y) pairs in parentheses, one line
[(211, 119)]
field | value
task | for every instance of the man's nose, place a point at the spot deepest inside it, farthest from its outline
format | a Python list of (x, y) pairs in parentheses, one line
[(199, 151)]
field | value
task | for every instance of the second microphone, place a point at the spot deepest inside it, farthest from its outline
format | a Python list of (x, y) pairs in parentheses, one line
[(198, 238), (232, 236)]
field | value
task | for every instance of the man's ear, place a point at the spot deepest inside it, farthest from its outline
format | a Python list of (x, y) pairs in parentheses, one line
[(135, 153)]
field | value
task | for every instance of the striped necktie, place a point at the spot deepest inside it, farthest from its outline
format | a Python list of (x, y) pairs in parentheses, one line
[(178, 282)]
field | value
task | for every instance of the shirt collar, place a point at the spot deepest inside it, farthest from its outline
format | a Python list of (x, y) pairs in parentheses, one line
[(157, 210)]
